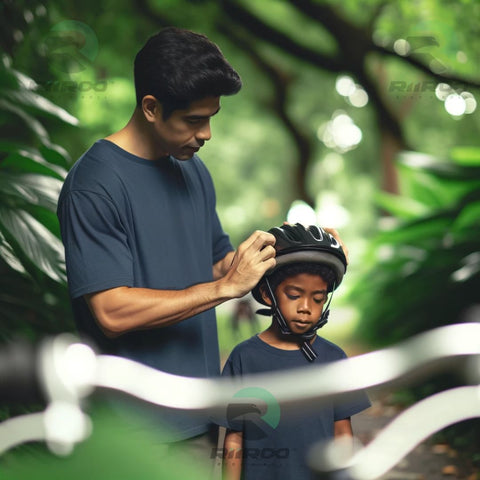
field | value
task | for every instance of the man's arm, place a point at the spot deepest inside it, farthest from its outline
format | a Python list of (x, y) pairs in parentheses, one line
[(123, 309), (221, 268), (232, 461)]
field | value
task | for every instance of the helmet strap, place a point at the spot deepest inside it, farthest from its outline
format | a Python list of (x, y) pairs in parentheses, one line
[(306, 348), (276, 313)]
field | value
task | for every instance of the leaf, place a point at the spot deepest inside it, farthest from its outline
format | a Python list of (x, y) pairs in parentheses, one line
[(468, 156), (8, 255), (31, 122), (36, 242), (12, 79), (468, 217), (401, 207), (20, 189), (56, 154), (40, 104), (446, 170), (418, 233), (30, 160)]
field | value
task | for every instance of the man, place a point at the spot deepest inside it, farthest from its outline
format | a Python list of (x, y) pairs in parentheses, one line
[(147, 259)]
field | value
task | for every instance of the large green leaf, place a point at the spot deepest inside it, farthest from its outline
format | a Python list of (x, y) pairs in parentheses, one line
[(8, 255), (400, 207), (418, 231), (28, 120), (26, 188), (468, 156), (30, 160), (56, 155), (30, 239), (468, 217), (39, 105), (441, 169)]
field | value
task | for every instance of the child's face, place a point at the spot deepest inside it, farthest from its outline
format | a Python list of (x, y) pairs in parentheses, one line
[(301, 299)]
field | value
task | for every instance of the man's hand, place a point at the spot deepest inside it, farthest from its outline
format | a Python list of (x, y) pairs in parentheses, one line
[(254, 257), (333, 232)]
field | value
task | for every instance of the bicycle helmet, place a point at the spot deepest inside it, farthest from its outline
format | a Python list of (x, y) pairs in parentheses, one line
[(299, 244)]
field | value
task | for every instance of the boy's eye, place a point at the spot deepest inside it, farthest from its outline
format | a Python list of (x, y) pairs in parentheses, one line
[(319, 300), (291, 296)]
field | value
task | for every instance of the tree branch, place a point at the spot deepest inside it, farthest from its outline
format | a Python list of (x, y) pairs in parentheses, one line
[(260, 29), (446, 78), (281, 82), (146, 10)]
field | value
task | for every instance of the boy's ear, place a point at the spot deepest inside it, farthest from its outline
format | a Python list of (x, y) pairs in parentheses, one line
[(265, 296)]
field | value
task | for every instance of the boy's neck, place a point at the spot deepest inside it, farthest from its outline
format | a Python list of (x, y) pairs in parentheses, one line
[(274, 337)]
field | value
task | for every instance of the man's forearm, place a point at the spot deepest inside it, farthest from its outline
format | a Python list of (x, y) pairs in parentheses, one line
[(122, 309), (221, 268)]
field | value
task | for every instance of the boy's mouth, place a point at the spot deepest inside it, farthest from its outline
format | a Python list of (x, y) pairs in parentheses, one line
[(301, 323)]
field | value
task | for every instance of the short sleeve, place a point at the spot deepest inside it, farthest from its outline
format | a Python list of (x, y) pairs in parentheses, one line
[(221, 242), (97, 252)]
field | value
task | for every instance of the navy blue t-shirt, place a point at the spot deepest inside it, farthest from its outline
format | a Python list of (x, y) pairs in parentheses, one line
[(277, 450), (127, 221)]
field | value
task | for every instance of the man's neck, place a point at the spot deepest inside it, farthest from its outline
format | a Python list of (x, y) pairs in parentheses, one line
[(136, 138)]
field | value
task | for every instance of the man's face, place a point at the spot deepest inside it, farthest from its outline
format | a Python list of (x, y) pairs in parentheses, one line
[(301, 299), (185, 131)]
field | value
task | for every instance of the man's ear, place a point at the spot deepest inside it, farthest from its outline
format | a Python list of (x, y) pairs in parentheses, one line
[(265, 295), (151, 108)]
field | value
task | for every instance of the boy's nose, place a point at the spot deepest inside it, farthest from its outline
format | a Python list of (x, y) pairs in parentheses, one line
[(304, 306)]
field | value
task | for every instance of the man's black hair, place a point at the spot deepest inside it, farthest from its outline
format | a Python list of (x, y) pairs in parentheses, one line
[(326, 273), (178, 67)]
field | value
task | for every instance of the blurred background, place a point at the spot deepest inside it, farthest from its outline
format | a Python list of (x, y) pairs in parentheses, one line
[(360, 115)]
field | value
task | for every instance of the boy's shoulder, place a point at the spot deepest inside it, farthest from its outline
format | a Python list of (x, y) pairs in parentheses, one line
[(251, 343), (328, 347)]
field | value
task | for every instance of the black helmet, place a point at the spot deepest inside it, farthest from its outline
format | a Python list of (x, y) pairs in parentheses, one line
[(299, 244)]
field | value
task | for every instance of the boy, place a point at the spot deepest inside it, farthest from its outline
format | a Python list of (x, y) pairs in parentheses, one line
[(310, 265)]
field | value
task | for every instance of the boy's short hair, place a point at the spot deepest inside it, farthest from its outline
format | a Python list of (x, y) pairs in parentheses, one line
[(323, 271), (178, 67)]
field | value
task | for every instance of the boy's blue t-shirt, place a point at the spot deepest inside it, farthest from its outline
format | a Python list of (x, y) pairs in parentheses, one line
[(278, 451), (127, 221)]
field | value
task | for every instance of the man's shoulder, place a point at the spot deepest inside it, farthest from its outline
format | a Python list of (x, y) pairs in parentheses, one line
[(98, 153), (95, 167)]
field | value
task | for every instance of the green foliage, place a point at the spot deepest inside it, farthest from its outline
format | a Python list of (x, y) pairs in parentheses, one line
[(117, 449), (424, 269), (32, 170)]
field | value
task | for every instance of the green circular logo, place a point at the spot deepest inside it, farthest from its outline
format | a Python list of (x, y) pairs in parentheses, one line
[(254, 409), (71, 46)]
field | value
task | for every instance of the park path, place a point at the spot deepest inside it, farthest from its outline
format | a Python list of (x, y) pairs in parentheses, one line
[(428, 461)]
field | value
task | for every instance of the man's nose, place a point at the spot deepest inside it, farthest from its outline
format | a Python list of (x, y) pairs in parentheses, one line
[(204, 133)]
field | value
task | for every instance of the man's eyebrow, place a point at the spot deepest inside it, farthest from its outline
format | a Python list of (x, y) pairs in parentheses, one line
[(200, 117)]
